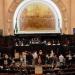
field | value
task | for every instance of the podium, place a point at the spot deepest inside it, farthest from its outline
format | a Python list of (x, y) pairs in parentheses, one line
[(38, 70)]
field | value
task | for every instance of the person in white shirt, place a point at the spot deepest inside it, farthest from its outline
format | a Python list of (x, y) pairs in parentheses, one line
[(69, 59), (61, 60), (51, 54), (35, 57)]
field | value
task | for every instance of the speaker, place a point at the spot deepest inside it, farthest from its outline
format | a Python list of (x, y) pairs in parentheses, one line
[(1, 32), (73, 30)]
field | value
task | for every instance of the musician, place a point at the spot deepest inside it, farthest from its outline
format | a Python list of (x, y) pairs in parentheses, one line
[(61, 60), (69, 58), (41, 57), (29, 58), (6, 60), (47, 61), (39, 60), (51, 57), (56, 60), (24, 54), (35, 58)]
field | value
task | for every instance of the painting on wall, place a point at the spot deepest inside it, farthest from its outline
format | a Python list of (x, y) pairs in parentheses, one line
[(36, 17)]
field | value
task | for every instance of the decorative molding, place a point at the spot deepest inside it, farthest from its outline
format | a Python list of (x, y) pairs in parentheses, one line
[(11, 11), (64, 12)]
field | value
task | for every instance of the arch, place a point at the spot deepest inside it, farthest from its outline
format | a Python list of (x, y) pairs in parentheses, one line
[(49, 3)]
